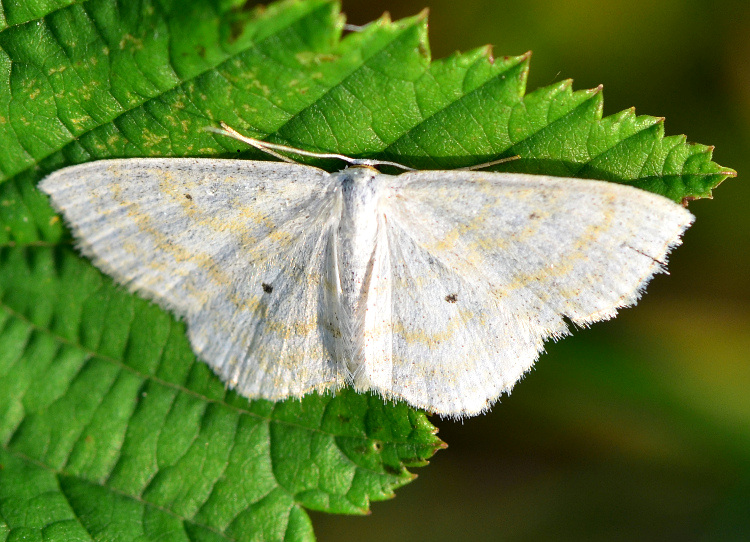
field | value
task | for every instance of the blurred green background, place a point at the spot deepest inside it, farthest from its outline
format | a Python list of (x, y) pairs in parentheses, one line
[(639, 428)]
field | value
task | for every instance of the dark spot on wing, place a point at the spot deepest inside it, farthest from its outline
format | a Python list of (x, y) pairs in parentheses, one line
[(267, 288), (188, 196), (451, 298)]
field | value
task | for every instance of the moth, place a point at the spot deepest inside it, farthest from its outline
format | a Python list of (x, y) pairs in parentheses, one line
[(438, 288)]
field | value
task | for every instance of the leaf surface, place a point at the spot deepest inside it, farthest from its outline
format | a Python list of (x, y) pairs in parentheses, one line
[(109, 427)]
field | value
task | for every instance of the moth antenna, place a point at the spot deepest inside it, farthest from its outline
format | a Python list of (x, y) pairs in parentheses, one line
[(489, 164), (270, 148)]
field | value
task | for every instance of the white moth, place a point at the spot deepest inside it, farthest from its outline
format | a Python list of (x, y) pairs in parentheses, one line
[(435, 287)]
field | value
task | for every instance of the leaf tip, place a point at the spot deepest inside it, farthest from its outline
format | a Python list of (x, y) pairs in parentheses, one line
[(385, 19), (686, 201), (489, 53)]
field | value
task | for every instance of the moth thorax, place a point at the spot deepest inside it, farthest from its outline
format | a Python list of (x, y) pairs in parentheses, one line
[(358, 230)]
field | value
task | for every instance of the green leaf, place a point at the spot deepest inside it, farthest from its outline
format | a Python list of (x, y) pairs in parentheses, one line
[(109, 427), (101, 393)]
